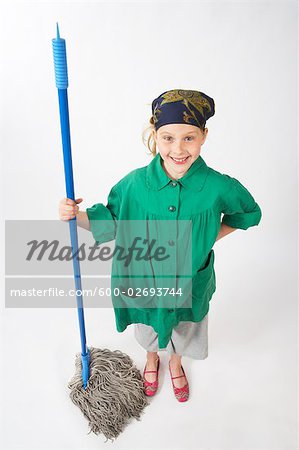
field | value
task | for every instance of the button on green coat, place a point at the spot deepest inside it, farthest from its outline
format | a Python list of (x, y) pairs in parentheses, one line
[(148, 196)]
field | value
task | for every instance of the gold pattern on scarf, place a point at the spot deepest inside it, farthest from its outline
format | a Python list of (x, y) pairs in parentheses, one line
[(187, 98)]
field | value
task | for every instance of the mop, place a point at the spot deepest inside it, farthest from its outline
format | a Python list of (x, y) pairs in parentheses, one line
[(106, 386)]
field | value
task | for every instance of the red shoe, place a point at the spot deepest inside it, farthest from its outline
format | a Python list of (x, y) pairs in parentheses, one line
[(150, 388), (181, 394)]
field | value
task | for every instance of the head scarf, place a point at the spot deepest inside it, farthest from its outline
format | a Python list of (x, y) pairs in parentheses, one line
[(182, 106)]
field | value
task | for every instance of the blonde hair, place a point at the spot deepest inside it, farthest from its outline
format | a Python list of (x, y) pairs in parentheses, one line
[(148, 136)]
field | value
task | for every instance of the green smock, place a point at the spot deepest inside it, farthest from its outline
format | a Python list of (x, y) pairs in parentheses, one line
[(152, 205)]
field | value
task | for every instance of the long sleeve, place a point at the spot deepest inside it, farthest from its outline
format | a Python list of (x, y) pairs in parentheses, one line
[(239, 207), (103, 219)]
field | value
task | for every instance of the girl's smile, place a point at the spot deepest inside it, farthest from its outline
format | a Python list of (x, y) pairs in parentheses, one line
[(180, 161)]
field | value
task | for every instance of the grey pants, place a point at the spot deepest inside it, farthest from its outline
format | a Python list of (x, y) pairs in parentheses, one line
[(188, 339)]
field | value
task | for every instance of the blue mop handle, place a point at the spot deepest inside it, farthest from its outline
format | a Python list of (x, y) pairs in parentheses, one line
[(61, 76)]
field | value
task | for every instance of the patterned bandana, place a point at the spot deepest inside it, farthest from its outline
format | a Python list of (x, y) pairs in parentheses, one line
[(182, 106)]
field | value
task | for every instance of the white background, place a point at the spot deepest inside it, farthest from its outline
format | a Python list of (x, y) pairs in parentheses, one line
[(120, 57)]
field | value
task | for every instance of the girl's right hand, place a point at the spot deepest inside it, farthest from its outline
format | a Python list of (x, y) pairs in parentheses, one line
[(68, 208)]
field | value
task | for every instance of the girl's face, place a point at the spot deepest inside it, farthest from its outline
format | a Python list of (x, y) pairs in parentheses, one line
[(179, 146)]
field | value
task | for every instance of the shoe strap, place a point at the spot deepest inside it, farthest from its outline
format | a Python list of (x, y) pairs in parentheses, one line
[(179, 375)]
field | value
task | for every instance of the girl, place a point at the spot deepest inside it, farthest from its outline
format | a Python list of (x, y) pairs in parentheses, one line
[(177, 185)]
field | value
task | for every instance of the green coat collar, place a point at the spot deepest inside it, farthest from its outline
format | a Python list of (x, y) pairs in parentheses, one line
[(194, 179)]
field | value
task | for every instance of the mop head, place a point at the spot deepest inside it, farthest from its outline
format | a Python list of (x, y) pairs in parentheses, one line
[(114, 393)]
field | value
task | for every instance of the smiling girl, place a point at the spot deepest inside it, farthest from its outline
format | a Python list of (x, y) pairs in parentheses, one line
[(177, 185)]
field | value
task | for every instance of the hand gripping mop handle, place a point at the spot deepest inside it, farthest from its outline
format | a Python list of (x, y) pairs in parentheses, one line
[(61, 77)]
